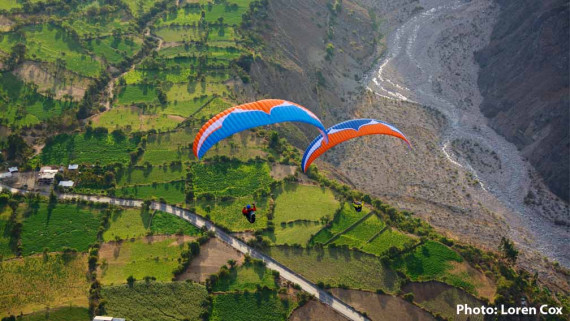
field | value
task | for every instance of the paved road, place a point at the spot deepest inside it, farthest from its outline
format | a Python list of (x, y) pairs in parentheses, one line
[(200, 222)]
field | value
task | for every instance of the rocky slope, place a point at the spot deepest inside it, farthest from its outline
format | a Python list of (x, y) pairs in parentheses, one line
[(524, 82)]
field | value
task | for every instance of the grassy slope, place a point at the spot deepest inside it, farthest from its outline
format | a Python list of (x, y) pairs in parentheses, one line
[(246, 277), (127, 223), (163, 223), (66, 313), (172, 192)]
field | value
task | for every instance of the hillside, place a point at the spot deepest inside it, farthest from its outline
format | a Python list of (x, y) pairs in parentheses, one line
[(524, 83)]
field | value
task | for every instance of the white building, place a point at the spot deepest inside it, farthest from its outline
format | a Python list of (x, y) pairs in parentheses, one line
[(102, 318), (73, 167), (47, 174), (66, 183), (13, 169)]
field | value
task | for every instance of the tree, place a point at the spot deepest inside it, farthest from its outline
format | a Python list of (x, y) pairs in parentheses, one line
[(17, 149), (131, 281), (330, 51), (509, 251)]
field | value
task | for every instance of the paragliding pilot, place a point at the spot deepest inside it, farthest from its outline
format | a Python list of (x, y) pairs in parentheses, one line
[(249, 212), (357, 205)]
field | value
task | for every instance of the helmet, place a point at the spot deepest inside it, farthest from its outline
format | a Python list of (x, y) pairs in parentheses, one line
[(248, 206)]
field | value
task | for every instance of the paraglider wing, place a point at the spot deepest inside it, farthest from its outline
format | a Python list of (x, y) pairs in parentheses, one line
[(242, 117), (348, 130)]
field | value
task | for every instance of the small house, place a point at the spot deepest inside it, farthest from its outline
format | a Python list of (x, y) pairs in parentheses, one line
[(73, 167), (46, 176), (13, 169), (103, 318)]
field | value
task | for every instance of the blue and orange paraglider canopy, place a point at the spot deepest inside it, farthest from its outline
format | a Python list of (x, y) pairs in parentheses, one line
[(345, 131), (246, 116)]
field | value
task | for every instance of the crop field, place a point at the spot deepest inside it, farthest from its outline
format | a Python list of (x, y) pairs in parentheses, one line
[(443, 299), (246, 277), (164, 223), (345, 218), (258, 306), (33, 283), (179, 34), (335, 266), (35, 107), (388, 238), (49, 43), (184, 108), (100, 25), (5, 231), (185, 92), (88, 149), (222, 37), (357, 236), (182, 16), (127, 223), (168, 147), (156, 301), (428, 261), (9, 4), (228, 213), (113, 49), (172, 192), (66, 313), (231, 15), (155, 174), (65, 225), (133, 119), (139, 258), (131, 94), (304, 202), (230, 178), (214, 107), (139, 7), (298, 232)]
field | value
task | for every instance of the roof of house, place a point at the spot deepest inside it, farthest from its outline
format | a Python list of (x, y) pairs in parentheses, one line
[(13, 169), (102, 318), (48, 174), (73, 166), (66, 183)]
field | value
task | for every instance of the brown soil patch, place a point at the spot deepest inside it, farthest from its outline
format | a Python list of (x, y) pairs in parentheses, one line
[(66, 84), (382, 306), (280, 171), (315, 310), (213, 255), (176, 118), (5, 24), (244, 236), (485, 287)]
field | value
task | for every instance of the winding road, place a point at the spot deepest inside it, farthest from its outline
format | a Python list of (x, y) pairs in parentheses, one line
[(198, 221)]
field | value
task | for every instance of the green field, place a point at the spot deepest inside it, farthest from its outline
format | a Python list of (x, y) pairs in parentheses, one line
[(388, 238), (361, 233), (139, 7), (168, 147), (337, 267), (184, 108), (231, 15), (299, 232), (88, 149), (179, 34), (172, 192), (66, 313), (24, 106), (246, 277), (5, 232), (194, 90), (133, 119), (51, 43), (101, 25), (259, 306), (65, 225), (114, 49), (304, 202), (33, 283), (182, 16), (233, 179), (427, 262), (140, 258), (132, 94), (228, 213), (156, 301), (9, 4), (164, 223), (155, 174), (127, 223), (345, 218)]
